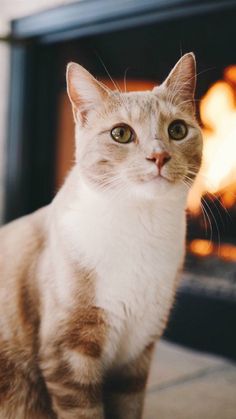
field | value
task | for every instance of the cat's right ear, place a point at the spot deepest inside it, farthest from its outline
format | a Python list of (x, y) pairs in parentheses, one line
[(84, 91)]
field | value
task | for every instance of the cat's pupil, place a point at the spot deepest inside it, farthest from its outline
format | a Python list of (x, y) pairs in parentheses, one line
[(122, 132), (178, 129)]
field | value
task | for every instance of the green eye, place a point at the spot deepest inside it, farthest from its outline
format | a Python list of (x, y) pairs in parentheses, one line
[(177, 130), (122, 134)]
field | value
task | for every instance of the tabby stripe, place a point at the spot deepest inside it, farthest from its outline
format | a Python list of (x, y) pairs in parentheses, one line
[(88, 396)]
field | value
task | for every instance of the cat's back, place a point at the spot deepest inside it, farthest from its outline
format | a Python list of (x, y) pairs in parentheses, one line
[(21, 243), (20, 240)]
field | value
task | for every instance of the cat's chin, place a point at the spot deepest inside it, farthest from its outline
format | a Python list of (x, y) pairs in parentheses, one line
[(152, 189), (158, 187)]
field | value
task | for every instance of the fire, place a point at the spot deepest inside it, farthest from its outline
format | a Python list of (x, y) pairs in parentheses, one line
[(230, 74), (218, 114), (201, 247), (204, 248)]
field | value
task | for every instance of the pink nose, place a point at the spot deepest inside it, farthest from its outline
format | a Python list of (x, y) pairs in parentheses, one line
[(160, 159)]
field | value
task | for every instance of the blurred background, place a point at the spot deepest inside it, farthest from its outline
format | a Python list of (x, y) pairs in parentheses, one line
[(136, 42)]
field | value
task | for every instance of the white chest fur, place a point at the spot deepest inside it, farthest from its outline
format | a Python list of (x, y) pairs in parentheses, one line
[(135, 250)]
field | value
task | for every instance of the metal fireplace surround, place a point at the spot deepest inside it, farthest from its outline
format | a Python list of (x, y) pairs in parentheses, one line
[(148, 34)]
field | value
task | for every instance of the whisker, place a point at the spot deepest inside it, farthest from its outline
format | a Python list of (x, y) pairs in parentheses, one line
[(206, 206), (109, 75), (115, 84), (211, 212), (204, 218), (210, 194), (125, 79), (217, 209), (203, 211)]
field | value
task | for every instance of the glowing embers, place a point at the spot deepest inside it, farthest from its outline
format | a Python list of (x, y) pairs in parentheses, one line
[(129, 85), (205, 248), (200, 247), (218, 114)]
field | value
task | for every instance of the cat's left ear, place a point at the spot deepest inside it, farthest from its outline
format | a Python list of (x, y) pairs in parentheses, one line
[(84, 91), (181, 82)]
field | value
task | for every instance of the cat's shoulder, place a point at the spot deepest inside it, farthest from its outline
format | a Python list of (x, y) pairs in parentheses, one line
[(26, 231)]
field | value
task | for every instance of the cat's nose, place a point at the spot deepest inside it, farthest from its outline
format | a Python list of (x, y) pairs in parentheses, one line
[(159, 158)]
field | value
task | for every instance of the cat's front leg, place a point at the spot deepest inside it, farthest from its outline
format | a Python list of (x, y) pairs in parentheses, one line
[(125, 388), (74, 384), (72, 367)]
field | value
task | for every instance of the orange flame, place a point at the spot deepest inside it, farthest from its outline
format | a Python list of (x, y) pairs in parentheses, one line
[(204, 248), (218, 114), (201, 247)]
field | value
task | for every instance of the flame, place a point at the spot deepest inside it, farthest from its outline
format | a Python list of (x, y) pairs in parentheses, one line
[(228, 197), (201, 247), (204, 248), (218, 114), (227, 252), (230, 74)]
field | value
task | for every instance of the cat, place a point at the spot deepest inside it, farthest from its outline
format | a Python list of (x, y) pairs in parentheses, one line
[(87, 282)]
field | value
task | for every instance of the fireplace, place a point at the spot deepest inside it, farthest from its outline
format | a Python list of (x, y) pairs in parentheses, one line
[(138, 41)]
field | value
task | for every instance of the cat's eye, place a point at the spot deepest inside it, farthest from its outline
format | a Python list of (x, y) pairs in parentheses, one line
[(122, 134), (178, 130)]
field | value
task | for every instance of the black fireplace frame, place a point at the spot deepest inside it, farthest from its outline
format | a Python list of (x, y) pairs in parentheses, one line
[(31, 140)]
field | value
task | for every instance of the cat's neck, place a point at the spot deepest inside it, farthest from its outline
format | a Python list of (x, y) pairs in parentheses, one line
[(81, 210), (77, 193)]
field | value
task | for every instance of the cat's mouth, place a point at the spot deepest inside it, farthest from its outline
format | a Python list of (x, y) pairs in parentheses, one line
[(161, 179), (158, 177)]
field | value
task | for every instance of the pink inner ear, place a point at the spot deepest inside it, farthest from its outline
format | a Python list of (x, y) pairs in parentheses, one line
[(84, 91), (183, 75), (78, 104), (181, 82)]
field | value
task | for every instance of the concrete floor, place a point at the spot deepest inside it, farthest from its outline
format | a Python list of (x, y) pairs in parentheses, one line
[(185, 384)]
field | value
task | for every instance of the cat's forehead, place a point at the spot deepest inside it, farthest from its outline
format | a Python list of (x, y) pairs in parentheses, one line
[(140, 106)]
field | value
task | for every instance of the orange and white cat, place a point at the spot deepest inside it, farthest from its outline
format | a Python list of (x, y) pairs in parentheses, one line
[(87, 283)]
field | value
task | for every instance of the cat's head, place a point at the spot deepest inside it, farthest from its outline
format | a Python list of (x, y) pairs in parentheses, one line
[(146, 144)]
